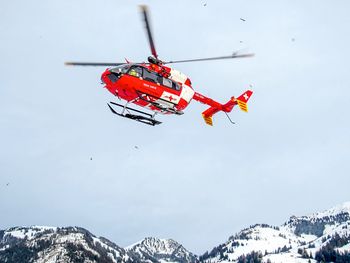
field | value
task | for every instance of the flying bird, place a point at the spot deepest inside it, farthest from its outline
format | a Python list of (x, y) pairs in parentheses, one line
[(242, 19)]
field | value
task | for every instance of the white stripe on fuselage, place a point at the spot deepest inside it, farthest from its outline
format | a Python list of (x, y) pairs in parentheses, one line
[(170, 97), (177, 76), (186, 92)]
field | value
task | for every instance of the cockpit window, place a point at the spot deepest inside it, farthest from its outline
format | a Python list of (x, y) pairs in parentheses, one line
[(176, 86), (135, 71), (167, 82), (156, 78), (113, 77), (120, 69), (151, 76)]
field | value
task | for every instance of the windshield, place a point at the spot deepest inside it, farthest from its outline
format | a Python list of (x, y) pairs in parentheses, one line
[(121, 69)]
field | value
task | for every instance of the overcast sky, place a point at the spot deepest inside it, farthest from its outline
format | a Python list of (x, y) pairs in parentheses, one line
[(196, 184)]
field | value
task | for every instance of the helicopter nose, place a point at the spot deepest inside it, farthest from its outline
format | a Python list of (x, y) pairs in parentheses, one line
[(104, 76)]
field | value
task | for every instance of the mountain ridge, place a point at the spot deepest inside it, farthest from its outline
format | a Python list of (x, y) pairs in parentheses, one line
[(312, 238)]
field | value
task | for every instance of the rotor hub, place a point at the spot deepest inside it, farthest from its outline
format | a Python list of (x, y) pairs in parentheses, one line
[(154, 60)]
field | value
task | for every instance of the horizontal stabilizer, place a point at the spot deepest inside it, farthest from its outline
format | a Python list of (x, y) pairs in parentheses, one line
[(208, 119)]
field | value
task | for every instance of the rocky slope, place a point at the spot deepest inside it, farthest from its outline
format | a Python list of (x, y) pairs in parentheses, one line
[(166, 250)]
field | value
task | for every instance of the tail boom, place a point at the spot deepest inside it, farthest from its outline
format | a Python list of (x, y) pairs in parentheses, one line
[(215, 106)]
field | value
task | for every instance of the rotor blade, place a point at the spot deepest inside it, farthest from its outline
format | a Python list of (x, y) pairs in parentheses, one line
[(144, 10), (212, 58), (92, 64)]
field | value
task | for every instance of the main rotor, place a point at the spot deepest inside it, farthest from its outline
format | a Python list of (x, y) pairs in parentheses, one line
[(154, 58)]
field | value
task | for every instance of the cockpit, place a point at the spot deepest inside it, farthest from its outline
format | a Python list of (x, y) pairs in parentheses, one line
[(117, 71), (142, 73), (120, 69), (145, 74)]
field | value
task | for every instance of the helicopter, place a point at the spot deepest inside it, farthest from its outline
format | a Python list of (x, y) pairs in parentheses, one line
[(158, 88)]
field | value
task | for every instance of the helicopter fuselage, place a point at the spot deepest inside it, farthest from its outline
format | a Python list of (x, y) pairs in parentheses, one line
[(158, 88)]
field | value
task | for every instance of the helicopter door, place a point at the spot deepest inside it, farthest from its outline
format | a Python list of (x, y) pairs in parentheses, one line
[(167, 83), (150, 76)]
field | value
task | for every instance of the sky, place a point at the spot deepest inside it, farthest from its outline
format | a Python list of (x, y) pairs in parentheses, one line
[(65, 160)]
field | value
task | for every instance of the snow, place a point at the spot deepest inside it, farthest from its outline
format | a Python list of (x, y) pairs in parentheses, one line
[(50, 255), (267, 239), (263, 238), (97, 240), (344, 207), (308, 238), (42, 228), (134, 245), (17, 233), (287, 258), (338, 209), (27, 232), (345, 248), (156, 245)]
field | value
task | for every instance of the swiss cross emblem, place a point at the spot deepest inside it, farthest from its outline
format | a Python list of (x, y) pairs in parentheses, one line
[(246, 97), (170, 98)]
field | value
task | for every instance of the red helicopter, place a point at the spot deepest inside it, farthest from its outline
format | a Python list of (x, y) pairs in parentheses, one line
[(159, 88)]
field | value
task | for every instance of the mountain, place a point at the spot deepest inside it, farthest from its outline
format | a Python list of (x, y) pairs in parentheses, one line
[(166, 250), (53, 244), (319, 237), (75, 244), (300, 239)]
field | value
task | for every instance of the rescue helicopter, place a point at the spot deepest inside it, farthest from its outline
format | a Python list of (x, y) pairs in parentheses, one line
[(156, 87)]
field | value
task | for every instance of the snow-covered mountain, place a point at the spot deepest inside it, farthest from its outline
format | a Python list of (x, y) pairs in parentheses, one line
[(166, 250), (40, 244), (300, 239), (318, 237), (53, 244)]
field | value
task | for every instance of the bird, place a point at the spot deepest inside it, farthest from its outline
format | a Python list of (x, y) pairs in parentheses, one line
[(205, 4), (136, 147), (7, 184), (90, 158), (242, 19)]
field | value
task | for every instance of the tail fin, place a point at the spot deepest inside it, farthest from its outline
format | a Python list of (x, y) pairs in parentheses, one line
[(241, 101)]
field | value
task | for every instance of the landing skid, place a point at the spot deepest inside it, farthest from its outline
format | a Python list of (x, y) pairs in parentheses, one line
[(143, 117)]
